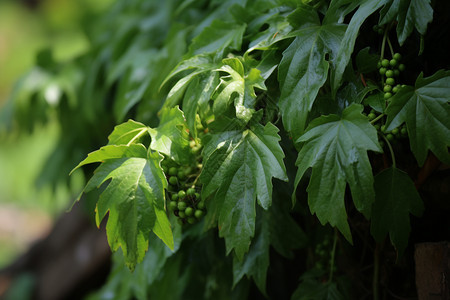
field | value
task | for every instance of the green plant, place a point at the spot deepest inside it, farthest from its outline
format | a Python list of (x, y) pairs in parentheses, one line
[(245, 92)]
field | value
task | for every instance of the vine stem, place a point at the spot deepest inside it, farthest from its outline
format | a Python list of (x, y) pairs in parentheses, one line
[(333, 252), (391, 150), (376, 272), (383, 43)]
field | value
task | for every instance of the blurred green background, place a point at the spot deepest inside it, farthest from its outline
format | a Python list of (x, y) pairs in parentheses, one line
[(26, 28)]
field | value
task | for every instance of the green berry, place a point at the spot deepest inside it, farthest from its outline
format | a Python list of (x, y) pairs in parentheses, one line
[(389, 73), (383, 71), (182, 205), (385, 63), (395, 131), (195, 150), (377, 126), (402, 67), (181, 175), (192, 144), (393, 62), (182, 214), (387, 95), (191, 220), (397, 56), (197, 196), (181, 194), (379, 64), (387, 88), (395, 89), (173, 180), (173, 205), (198, 213), (380, 31), (390, 81), (189, 211), (396, 73), (371, 116), (404, 131), (201, 205), (173, 171), (174, 197), (383, 128), (390, 137), (190, 192)]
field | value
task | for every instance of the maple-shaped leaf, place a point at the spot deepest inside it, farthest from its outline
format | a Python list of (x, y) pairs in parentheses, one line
[(336, 150), (134, 198), (395, 198), (239, 87), (304, 66), (425, 109), (409, 14), (171, 136), (238, 169)]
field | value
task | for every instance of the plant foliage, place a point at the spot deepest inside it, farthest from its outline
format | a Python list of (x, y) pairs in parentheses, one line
[(250, 104)]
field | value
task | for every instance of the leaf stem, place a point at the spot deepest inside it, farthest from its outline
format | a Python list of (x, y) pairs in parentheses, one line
[(143, 130), (333, 252), (383, 44), (376, 119), (390, 150), (390, 47)]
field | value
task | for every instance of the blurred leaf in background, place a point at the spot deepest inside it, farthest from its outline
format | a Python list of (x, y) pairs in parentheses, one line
[(56, 29)]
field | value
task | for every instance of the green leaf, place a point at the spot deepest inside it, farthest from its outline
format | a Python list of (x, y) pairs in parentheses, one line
[(127, 133), (409, 14), (238, 169), (304, 67), (336, 149), (396, 197), (425, 109), (348, 41), (239, 84), (134, 198), (217, 37), (171, 137)]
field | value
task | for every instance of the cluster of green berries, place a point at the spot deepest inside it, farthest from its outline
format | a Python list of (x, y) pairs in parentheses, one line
[(322, 255), (389, 70), (182, 194), (396, 133)]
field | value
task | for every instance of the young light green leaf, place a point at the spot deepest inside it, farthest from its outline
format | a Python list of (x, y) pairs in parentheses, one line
[(425, 109), (239, 84), (238, 169), (336, 150), (171, 137), (348, 41), (395, 198), (134, 198), (409, 14), (127, 133), (304, 67)]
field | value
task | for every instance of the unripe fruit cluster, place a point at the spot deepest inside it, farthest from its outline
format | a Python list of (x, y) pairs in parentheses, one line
[(396, 133), (390, 69), (183, 197)]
